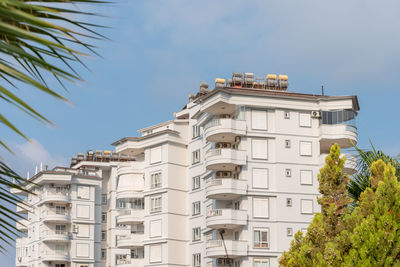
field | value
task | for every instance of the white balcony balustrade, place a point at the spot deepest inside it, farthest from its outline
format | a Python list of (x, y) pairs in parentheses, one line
[(225, 188), (226, 218), (224, 130), (225, 159), (222, 248)]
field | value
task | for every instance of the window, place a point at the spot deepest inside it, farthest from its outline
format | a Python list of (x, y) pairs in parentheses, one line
[(306, 206), (288, 173), (104, 217), (306, 177), (287, 143), (196, 208), (103, 254), (155, 180), (61, 229), (305, 148), (104, 199), (196, 260), (195, 131), (260, 178), (104, 235), (261, 239), (261, 263), (60, 210), (236, 235), (155, 253), (196, 232), (155, 155), (236, 205), (260, 208), (259, 148), (305, 119), (288, 202), (259, 119), (286, 114), (155, 204), (121, 204), (196, 182), (289, 231), (196, 156)]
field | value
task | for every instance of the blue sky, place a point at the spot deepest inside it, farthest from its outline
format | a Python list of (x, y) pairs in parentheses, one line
[(161, 50)]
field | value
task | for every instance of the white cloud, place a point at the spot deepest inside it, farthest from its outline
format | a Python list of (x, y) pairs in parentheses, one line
[(28, 155)]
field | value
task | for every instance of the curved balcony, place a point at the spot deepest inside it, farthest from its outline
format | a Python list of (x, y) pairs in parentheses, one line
[(52, 216), (350, 166), (56, 256), (225, 159), (219, 248), (225, 188), (130, 216), (56, 236), (226, 218), (22, 225), (224, 130), (128, 192), (23, 208), (342, 134), (53, 196), (21, 261), (130, 241)]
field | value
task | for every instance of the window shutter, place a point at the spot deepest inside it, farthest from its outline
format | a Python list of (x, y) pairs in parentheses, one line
[(260, 149), (260, 178), (259, 119), (260, 207)]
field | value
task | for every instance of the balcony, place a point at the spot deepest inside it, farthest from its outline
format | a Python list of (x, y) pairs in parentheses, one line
[(52, 195), (130, 241), (130, 216), (226, 218), (21, 261), (231, 248), (23, 208), (224, 159), (225, 188), (57, 236), (342, 134), (53, 255), (55, 216), (22, 225), (224, 130), (350, 166)]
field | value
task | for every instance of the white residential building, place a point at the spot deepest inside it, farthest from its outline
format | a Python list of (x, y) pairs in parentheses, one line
[(228, 182)]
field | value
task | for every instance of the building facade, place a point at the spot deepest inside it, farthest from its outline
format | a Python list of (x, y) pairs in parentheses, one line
[(227, 182)]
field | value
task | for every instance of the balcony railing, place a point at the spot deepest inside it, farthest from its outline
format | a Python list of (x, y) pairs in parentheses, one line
[(212, 123)]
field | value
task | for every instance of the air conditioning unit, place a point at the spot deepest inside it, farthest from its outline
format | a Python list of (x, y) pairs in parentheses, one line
[(219, 145), (237, 139), (51, 204), (315, 114)]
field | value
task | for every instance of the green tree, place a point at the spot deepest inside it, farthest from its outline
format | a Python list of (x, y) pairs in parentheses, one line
[(360, 180), (314, 248), (38, 40)]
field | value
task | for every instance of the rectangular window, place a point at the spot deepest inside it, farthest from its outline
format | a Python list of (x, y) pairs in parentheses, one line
[(195, 131), (155, 180), (261, 263), (287, 143), (60, 210), (261, 239), (260, 178), (259, 119), (236, 235), (196, 156), (104, 199), (196, 232), (103, 254), (305, 148), (155, 253), (305, 119), (260, 208), (121, 204), (195, 182), (306, 177), (155, 204), (196, 208), (197, 260), (61, 229), (289, 231), (306, 206), (259, 148), (104, 217), (104, 235), (288, 202)]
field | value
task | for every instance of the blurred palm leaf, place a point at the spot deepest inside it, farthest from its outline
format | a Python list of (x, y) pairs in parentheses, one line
[(38, 40), (360, 180)]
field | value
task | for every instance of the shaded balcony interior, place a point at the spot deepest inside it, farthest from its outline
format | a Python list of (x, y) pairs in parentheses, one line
[(134, 258), (131, 211)]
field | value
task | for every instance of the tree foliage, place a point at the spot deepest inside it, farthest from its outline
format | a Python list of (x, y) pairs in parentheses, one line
[(368, 235), (38, 40)]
